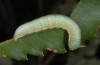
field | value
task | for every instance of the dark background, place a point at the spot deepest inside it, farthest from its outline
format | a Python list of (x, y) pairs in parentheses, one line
[(16, 12)]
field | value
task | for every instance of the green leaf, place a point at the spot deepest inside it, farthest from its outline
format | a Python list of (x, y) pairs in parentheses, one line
[(87, 16), (34, 44)]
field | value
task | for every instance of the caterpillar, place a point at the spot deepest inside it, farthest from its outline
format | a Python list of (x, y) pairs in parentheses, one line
[(49, 22)]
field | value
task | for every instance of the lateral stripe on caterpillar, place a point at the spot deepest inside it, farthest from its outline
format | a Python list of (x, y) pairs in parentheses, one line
[(52, 21)]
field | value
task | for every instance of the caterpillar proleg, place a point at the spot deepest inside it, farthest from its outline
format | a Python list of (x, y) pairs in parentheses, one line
[(52, 21)]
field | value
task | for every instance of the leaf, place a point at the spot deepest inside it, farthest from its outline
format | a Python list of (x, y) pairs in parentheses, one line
[(34, 44), (87, 16), (33, 37)]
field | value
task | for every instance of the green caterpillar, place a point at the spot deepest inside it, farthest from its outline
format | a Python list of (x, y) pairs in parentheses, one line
[(52, 21)]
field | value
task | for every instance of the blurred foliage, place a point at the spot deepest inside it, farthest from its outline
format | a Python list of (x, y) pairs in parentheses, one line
[(87, 16), (5, 61)]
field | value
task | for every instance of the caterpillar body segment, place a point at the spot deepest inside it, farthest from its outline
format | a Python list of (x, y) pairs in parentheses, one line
[(52, 21)]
